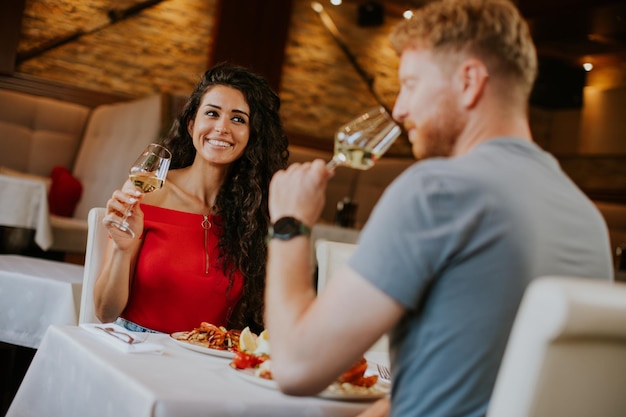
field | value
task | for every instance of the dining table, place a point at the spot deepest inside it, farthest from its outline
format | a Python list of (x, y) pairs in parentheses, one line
[(74, 373), (24, 204), (34, 294)]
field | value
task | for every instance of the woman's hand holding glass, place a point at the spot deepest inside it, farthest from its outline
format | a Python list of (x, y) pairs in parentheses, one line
[(125, 201), (147, 174)]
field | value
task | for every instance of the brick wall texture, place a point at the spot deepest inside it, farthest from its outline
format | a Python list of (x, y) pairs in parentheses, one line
[(165, 48)]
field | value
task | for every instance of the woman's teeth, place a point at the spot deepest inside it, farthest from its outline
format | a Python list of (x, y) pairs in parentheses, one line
[(216, 142)]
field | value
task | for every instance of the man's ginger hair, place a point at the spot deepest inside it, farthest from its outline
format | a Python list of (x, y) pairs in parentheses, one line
[(491, 30)]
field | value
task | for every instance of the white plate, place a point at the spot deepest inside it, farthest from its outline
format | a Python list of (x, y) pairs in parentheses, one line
[(199, 348), (374, 393)]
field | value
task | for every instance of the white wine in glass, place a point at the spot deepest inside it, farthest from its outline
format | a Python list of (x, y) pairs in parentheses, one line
[(364, 140), (147, 174)]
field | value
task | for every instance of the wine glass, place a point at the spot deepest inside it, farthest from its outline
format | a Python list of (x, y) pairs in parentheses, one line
[(362, 141), (147, 174)]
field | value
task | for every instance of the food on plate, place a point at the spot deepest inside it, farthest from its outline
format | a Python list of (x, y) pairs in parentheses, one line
[(253, 351), (251, 343), (247, 341), (213, 337), (356, 375), (262, 344), (263, 370), (245, 360), (254, 354)]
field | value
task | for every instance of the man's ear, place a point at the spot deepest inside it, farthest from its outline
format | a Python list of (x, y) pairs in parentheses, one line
[(474, 76)]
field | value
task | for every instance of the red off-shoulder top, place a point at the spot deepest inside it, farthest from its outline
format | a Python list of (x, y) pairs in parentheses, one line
[(178, 282)]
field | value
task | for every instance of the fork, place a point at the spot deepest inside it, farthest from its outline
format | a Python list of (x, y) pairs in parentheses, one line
[(383, 371), (124, 337)]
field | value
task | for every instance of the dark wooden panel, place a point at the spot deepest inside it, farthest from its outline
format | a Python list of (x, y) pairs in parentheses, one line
[(253, 33), (11, 12), (42, 87), (609, 196)]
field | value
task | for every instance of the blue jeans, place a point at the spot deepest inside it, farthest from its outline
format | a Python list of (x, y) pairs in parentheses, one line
[(133, 327)]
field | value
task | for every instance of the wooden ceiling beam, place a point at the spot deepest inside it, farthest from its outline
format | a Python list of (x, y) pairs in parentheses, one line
[(252, 33), (11, 12)]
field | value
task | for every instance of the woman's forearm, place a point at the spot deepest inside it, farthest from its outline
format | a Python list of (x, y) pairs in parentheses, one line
[(112, 287)]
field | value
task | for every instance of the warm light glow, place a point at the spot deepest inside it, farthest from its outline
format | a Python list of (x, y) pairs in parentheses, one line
[(588, 66), (317, 7), (407, 14), (335, 2)]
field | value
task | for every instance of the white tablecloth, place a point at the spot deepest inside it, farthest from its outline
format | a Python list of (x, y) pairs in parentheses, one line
[(24, 203), (75, 374), (35, 293)]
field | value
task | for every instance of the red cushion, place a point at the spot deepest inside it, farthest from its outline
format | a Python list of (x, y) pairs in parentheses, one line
[(65, 192)]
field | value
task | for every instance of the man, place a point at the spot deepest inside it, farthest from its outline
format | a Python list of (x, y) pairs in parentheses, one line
[(447, 253)]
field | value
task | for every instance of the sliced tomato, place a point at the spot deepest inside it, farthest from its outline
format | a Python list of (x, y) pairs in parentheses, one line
[(356, 371), (243, 360)]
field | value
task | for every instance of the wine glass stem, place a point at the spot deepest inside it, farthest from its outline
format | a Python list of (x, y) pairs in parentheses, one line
[(124, 226), (332, 164)]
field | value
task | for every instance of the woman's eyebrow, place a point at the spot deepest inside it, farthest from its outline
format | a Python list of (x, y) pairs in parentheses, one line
[(220, 108), (242, 112)]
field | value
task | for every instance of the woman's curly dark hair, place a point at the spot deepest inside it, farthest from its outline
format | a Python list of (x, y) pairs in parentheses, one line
[(242, 202)]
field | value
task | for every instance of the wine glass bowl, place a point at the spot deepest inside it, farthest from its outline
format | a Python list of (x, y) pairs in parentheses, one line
[(362, 141), (147, 174)]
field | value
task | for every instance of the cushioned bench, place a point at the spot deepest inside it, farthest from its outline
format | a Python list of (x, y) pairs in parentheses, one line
[(96, 146)]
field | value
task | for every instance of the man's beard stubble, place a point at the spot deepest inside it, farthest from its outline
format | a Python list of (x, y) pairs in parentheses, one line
[(439, 134)]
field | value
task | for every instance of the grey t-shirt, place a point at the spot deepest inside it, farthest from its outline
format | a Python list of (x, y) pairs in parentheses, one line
[(456, 241)]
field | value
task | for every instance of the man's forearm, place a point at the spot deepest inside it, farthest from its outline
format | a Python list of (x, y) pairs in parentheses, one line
[(289, 296), (289, 286)]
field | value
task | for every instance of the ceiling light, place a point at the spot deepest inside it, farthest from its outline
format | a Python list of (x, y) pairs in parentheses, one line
[(335, 2), (407, 14), (588, 66)]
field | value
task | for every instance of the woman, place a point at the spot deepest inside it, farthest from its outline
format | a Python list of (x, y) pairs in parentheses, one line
[(200, 253)]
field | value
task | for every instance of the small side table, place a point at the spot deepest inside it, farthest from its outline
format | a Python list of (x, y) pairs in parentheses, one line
[(24, 204)]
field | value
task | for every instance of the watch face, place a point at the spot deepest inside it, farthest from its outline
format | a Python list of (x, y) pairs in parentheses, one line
[(286, 227)]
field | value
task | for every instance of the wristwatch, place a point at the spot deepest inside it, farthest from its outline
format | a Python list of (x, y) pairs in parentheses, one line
[(287, 228)]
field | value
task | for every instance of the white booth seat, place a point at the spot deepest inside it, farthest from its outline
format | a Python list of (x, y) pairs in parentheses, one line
[(96, 145), (38, 133), (566, 355), (114, 137)]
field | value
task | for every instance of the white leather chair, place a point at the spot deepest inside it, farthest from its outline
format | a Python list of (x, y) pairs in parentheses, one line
[(331, 256), (96, 244), (114, 136), (331, 232), (566, 355), (97, 145)]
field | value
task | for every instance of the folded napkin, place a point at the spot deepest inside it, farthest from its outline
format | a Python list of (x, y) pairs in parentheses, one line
[(122, 339)]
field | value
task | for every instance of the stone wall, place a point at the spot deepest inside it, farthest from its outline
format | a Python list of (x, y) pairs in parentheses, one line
[(165, 48), (162, 48)]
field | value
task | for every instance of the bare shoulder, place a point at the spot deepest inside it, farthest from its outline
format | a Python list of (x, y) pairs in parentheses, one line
[(161, 196), (172, 195), (158, 197)]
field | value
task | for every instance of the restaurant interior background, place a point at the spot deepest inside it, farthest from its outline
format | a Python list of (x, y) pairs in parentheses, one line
[(120, 49), (103, 51)]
